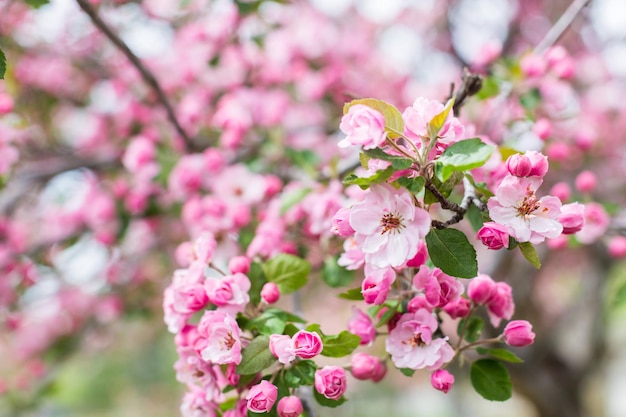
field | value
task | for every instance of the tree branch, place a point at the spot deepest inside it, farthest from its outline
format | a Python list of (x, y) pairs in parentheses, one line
[(147, 76), (471, 84), (561, 25)]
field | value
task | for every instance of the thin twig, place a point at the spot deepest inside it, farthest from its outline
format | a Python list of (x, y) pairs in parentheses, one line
[(471, 84), (147, 76), (559, 28)]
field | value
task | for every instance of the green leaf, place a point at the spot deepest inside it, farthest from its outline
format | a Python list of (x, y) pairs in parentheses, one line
[(388, 315), (394, 123), (289, 272), (352, 294), (327, 402), (531, 100), (462, 156), (256, 356), (397, 162), (450, 251), (340, 345), (290, 329), (365, 182), (490, 88), (475, 217), (502, 354), (530, 253), (491, 380), (35, 4), (473, 329), (407, 371), (291, 198), (269, 322), (335, 275), (437, 122), (257, 280), (414, 185), (300, 373), (3, 64)]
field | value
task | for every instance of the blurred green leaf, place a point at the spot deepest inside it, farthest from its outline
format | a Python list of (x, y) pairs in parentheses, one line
[(289, 272), (491, 380)]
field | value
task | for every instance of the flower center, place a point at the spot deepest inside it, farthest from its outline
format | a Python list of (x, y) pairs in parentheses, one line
[(228, 341), (391, 222), (529, 205), (416, 340)]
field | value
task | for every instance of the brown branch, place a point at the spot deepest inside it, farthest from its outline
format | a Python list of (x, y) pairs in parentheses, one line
[(147, 76), (470, 85), (561, 25), (447, 205)]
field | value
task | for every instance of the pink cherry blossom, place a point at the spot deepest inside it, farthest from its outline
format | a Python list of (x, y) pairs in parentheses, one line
[(439, 288), (526, 217), (361, 325), (518, 333), (229, 293), (494, 236), (500, 305), (572, 218), (411, 344), (330, 381), (364, 126), (481, 289), (377, 284), (282, 347), (417, 117), (442, 380), (596, 222), (262, 397), (388, 226), (306, 344), (219, 340)]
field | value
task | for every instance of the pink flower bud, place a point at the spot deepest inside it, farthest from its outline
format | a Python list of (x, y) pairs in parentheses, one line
[(262, 397), (239, 264), (493, 235), (542, 129), (519, 165), (6, 103), (290, 406), (273, 185), (376, 285), (270, 293), (366, 366), (442, 380), (417, 302), (617, 247), (457, 308), (481, 289), (420, 258), (281, 347), (307, 345), (557, 243), (533, 65), (518, 333), (341, 225), (561, 190), (530, 164), (500, 305), (361, 325), (330, 381), (586, 182), (572, 218)]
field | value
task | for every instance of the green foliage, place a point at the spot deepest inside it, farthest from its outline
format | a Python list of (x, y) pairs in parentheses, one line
[(490, 88), (289, 272), (530, 253), (335, 275), (394, 123), (491, 380), (475, 217), (473, 328), (462, 156), (531, 100), (352, 294), (257, 280), (3, 64), (414, 185), (502, 354), (256, 356), (450, 251), (35, 4), (365, 182), (393, 307), (397, 162), (300, 373), (340, 345), (407, 371)]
